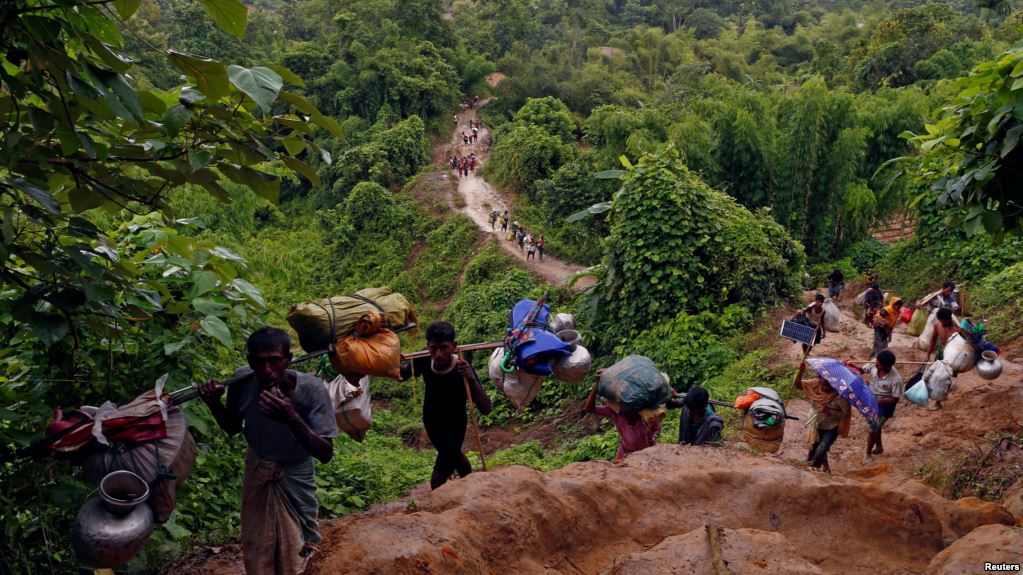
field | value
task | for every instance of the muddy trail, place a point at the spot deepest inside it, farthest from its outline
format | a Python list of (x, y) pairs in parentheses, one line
[(479, 199)]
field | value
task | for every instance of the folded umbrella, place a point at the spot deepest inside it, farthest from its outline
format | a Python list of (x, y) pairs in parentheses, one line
[(848, 384)]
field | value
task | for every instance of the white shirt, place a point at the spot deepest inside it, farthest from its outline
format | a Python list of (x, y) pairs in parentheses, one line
[(888, 386)]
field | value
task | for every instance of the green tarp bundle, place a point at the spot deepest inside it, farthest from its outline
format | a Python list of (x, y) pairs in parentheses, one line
[(313, 320)]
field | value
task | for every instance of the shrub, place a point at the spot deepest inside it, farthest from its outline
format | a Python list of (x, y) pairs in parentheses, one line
[(866, 254)]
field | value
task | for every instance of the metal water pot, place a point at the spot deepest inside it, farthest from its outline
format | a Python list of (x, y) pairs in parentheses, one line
[(113, 527), (989, 366)]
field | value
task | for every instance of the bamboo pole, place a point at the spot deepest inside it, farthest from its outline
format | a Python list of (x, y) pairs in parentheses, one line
[(467, 347), (472, 416), (716, 560)]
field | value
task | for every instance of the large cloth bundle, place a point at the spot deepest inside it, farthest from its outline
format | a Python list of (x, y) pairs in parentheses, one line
[(573, 369), (319, 322), (163, 463), (352, 408), (959, 354), (832, 318), (861, 298), (635, 383), (535, 355), (519, 386), (938, 378), (375, 354)]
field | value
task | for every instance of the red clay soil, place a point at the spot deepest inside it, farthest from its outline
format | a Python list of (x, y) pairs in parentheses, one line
[(645, 516)]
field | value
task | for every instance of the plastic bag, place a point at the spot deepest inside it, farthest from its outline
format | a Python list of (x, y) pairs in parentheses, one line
[(353, 410), (746, 399), (494, 368), (573, 369), (917, 392), (521, 388), (917, 323), (635, 383), (832, 318), (378, 354), (938, 378), (906, 316), (959, 354)]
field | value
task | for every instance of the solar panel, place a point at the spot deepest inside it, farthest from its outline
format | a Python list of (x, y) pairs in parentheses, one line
[(797, 332)]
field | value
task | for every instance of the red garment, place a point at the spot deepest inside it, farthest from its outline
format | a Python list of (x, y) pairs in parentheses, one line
[(635, 435)]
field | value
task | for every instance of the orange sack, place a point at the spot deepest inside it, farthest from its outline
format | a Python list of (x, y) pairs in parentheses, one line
[(375, 354), (746, 399)]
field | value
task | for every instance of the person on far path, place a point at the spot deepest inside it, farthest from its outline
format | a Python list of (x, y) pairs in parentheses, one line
[(873, 302), (530, 248), (836, 283), (493, 220), (504, 221), (445, 374), (636, 433), (946, 298), (886, 383), (520, 238), (465, 138), (539, 247), (831, 415), (287, 419), (811, 316)]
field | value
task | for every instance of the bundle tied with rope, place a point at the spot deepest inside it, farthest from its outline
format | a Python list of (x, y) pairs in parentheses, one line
[(357, 328)]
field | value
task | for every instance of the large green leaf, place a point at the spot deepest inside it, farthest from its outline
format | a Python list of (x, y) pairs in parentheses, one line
[(216, 328), (126, 8), (259, 83), (288, 76), (210, 76), (231, 15), (302, 168), (265, 185)]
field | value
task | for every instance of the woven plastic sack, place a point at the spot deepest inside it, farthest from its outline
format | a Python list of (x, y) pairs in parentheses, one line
[(635, 383), (312, 321), (377, 354), (832, 318), (573, 369), (959, 354), (861, 300), (938, 378), (353, 410), (917, 323), (521, 388)]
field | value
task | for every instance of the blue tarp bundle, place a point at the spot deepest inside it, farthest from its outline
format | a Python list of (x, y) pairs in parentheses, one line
[(534, 356)]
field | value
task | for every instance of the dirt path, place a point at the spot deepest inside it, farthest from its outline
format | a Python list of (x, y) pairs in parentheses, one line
[(916, 439), (481, 199)]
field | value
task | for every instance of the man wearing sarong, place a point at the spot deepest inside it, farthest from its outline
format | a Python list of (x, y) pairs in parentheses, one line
[(288, 419), (831, 414), (698, 424), (637, 430), (445, 375)]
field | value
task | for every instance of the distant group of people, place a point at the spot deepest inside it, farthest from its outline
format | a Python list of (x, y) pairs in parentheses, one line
[(463, 164), (528, 244)]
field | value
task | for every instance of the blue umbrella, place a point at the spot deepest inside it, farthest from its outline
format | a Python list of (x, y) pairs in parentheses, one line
[(848, 384)]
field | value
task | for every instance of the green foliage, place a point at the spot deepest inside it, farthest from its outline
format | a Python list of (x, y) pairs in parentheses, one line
[(676, 244), (999, 303), (691, 348), (550, 114), (866, 254), (969, 157), (818, 272), (524, 154), (390, 157)]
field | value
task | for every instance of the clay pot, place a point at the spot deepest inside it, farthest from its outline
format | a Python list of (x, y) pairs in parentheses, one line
[(112, 528), (989, 366)]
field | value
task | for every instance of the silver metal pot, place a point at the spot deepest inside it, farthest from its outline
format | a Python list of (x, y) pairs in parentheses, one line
[(562, 321), (571, 337), (989, 366), (112, 528)]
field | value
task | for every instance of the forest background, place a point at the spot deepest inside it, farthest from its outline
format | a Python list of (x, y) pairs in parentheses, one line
[(175, 173)]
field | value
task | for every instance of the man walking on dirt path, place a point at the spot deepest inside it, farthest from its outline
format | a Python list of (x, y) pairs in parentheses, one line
[(836, 283), (444, 374), (811, 316), (539, 247), (831, 416), (944, 328), (944, 299), (698, 424), (635, 432), (287, 419), (493, 220), (886, 383), (872, 302)]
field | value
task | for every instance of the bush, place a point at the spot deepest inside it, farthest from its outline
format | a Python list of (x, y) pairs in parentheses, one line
[(866, 254), (999, 303), (819, 272)]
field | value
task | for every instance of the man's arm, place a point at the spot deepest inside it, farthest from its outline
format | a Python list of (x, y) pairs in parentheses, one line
[(276, 405), (591, 400), (211, 391), (932, 345)]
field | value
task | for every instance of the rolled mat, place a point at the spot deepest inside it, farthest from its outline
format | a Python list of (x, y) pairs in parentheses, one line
[(767, 440)]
